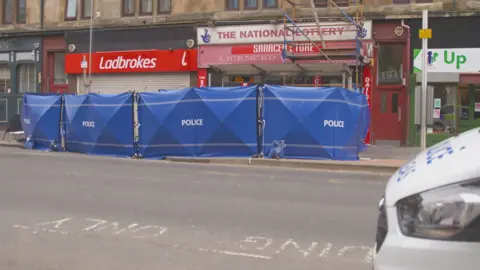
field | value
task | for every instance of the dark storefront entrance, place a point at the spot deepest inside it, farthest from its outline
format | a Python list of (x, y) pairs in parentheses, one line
[(19, 69)]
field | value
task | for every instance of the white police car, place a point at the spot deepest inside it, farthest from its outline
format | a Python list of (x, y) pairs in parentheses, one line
[(430, 214)]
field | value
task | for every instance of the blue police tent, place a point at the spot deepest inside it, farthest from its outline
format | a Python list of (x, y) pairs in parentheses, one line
[(99, 124), (321, 123), (41, 120), (213, 121)]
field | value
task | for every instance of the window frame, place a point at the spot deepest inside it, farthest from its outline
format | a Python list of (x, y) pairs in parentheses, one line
[(402, 2), (53, 75), (143, 13), (17, 9), (82, 11), (250, 8), (4, 9), (163, 11), (387, 83), (321, 3), (73, 18), (124, 13), (264, 3), (230, 8), (21, 64), (343, 3)]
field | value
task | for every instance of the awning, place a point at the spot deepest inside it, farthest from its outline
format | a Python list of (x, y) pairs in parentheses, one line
[(287, 69)]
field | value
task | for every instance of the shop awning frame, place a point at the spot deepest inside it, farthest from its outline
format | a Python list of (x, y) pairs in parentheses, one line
[(287, 69)]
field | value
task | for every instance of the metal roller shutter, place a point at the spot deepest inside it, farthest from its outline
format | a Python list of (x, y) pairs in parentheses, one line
[(118, 83)]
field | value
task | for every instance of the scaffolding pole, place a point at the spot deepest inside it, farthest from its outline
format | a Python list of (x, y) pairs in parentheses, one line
[(291, 25)]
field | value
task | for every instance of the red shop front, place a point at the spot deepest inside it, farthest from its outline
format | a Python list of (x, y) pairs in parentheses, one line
[(120, 71), (263, 63)]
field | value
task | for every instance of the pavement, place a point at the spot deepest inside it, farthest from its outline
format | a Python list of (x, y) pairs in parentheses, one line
[(381, 159), (71, 211)]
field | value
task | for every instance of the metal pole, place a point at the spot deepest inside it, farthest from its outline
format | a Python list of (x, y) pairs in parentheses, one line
[(85, 85), (423, 134), (90, 48)]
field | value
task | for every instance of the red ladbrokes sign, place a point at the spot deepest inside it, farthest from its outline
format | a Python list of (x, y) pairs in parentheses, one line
[(134, 61)]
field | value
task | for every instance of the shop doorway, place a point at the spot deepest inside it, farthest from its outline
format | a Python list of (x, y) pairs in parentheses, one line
[(57, 79), (469, 107), (390, 117)]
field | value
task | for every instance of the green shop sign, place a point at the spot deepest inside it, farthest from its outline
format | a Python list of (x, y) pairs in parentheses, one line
[(448, 60)]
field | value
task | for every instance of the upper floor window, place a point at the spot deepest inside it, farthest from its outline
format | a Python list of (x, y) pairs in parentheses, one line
[(86, 9), (251, 4), (400, 2), (128, 7), (8, 11), (341, 3), (321, 3), (146, 7), (164, 6), (21, 11), (270, 4), (231, 4), (71, 9)]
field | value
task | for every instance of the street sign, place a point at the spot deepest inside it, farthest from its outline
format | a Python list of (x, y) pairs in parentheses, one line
[(425, 33)]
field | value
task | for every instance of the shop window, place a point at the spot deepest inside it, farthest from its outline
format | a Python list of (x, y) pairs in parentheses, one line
[(71, 10), (445, 108), (270, 4), (86, 9), (8, 11), (231, 4), (5, 83), (476, 96), (3, 110), (164, 6), (334, 81), (146, 7), (251, 4), (390, 64), (26, 78), (128, 7), (21, 11), (59, 76), (321, 3)]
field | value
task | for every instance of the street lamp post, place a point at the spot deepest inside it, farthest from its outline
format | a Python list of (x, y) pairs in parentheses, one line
[(90, 47)]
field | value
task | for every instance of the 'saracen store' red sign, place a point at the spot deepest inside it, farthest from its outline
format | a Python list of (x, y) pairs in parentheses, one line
[(180, 60)]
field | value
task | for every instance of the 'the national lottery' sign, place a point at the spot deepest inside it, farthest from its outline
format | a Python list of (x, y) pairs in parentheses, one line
[(448, 60), (274, 33)]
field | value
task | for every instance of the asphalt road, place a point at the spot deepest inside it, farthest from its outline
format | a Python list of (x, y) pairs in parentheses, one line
[(69, 211)]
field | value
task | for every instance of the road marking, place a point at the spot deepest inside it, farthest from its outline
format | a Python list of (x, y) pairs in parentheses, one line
[(221, 173), (325, 251), (297, 247), (337, 181), (241, 254), (36, 230), (100, 225)]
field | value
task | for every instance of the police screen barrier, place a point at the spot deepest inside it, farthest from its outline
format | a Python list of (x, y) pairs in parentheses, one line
[(99, 124), (40, 118), (321, 123), (213, 121)]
